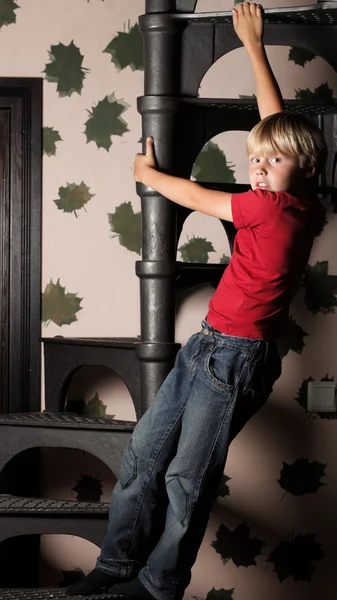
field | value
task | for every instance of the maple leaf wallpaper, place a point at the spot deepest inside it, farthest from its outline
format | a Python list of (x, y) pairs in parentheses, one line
[(272, 532)]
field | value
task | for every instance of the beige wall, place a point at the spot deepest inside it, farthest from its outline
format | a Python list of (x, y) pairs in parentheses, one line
[(81, 253)]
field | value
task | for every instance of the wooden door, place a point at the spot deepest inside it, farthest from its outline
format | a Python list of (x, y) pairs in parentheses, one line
[(20, 243)]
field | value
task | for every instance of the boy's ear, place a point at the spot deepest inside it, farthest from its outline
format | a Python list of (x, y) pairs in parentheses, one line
[(310, 172)]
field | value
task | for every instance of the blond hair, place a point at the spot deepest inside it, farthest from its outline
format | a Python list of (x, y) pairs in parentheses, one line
[(290, 134)]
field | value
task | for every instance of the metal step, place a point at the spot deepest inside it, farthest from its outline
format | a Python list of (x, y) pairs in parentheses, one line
[(64, 355), (194, 274), (65, 420), (230, 110), (238, 188), (93, 341), (40, 507), (247, 104), (44, 594), (324, 13), (104, 438), (37, 516), (209, 35)]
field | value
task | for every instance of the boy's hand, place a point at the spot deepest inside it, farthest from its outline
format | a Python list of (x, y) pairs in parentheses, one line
[(144, 162), (248, 23)]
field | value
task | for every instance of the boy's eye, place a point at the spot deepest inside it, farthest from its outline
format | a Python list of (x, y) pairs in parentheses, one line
[(275, 159), (254, 160)]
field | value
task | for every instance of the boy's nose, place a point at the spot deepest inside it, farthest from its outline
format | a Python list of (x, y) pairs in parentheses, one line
[(261, 170)]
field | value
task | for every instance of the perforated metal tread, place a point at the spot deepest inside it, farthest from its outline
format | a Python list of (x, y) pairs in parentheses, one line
[(233, 105), (323, 14), (236, 188), (91, 341), (244, 104), (44, 594), (65, 420), (15, 505)]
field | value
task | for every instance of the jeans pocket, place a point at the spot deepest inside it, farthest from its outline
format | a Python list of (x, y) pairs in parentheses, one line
[(225, 367), (129, 466)]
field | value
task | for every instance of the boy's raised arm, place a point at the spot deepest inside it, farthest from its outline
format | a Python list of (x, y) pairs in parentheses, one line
[(248, 24), (181, 191)]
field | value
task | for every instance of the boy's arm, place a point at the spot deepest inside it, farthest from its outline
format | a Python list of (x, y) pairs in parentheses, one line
[(181, 191), (248, 24)]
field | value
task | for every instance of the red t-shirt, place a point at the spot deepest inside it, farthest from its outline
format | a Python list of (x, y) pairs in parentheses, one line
[(271, 250)]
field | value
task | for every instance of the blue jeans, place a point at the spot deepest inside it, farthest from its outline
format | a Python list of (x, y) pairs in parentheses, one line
[(174, 462)]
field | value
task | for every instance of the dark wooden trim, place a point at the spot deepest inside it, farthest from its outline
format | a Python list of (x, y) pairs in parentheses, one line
[(4, 255), (22, 98)]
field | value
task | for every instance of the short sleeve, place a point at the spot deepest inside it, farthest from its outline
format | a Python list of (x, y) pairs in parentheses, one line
[(253, 208)]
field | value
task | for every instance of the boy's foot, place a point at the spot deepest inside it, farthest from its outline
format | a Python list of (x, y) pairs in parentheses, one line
[(131, 589), (95, 582)]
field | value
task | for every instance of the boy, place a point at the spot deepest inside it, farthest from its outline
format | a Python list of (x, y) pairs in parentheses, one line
[(173, 465)]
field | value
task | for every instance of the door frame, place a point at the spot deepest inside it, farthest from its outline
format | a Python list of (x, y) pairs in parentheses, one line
[(20, 317)]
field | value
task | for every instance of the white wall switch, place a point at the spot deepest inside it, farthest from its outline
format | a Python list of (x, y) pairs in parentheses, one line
[(322, 396)]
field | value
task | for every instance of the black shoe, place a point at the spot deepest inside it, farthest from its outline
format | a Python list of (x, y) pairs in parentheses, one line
[(131, 589), (96, 582)]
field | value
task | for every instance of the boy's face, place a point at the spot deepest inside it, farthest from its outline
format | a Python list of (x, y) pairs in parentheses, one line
[(275, 172)]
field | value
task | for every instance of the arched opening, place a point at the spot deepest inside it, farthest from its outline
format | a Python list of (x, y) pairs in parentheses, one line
[(60, 474), (65, 559), (85, 479), (223, 159), (300, 75), (202, 240), (97, 391)]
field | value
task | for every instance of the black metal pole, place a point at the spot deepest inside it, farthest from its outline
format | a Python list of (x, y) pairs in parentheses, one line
[(157, 269)]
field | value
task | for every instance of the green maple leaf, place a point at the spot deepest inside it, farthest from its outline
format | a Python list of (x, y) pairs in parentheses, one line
[(300, 56), (237, 545), (59, 307), (65, 69), (126, 49), (302, 477), (89, 489), (244, 96), (322, 93), (211, 165), (196, 250), (321, 288), (105, 120), (294, 557), (70, 577), (223, 489), (302, 395), (95, 407), (128, 226), (292, 339), (225, 260), (73, 197), (50, 137), (7, 12), (221, 594)]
